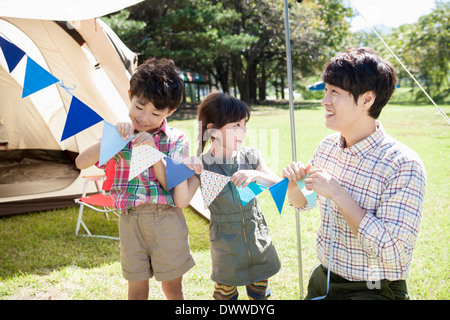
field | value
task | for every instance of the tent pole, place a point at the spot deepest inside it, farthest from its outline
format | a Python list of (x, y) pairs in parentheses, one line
[(294, 151)]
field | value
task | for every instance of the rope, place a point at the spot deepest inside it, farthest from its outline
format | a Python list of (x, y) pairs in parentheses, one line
[(440, 111), (330, 255)]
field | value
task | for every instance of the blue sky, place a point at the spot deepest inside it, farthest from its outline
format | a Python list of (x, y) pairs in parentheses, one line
[(391, 13)]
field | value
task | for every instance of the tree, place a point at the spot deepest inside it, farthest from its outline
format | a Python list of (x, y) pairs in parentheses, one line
[(423, 47), (239, 43)]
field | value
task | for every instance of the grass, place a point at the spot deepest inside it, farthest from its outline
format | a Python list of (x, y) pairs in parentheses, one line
[(41, 258)]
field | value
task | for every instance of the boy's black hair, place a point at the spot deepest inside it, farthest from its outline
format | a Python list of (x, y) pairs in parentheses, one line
[(158, 82), (359, 71)]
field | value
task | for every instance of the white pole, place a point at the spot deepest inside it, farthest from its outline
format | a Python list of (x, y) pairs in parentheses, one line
[(294, 151)]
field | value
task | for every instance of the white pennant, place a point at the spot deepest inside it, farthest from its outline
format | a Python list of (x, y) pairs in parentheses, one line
[(143, 157), (212, 184)]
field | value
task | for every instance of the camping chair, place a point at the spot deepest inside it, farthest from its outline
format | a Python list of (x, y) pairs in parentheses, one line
[(101, 201)]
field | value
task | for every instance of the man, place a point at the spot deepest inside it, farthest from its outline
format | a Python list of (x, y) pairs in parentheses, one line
[(371, 187)]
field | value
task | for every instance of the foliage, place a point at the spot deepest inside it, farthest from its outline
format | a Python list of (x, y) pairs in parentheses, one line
[(41, 258), (239, 44), (423, 47)]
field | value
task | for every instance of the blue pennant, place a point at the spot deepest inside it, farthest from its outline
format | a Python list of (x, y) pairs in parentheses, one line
[(278, 192), (13, 54), (249, 192), (309, 194), (79, 118), (112, 142), (176, 172), (36, 78)]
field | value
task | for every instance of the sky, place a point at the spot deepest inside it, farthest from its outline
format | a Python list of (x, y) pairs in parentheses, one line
[(391, 13)]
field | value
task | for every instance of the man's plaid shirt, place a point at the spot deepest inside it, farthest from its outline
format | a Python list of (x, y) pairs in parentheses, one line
[(387, 180), (145, 188)]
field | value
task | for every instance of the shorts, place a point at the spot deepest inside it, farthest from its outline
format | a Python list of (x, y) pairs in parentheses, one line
[(154, 241)]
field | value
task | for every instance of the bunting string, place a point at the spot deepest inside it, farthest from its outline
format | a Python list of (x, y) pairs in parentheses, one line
[(81, 117)]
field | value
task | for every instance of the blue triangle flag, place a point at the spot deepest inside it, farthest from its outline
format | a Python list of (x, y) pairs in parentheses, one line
[(310, 195), (36, 78), (249, 192), (278, 192), (13, 54), (176, 173), (79, 118), (112, 142)]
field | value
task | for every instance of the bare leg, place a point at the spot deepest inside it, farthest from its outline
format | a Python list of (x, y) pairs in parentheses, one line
[(173, 289), (138, 290)]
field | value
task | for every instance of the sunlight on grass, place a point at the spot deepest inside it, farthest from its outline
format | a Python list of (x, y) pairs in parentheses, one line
[(41, 258)]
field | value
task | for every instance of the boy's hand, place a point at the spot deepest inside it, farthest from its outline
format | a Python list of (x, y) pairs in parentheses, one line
[(242, 178), (295, 172), (194, 163), (143, 138), (125, 129)]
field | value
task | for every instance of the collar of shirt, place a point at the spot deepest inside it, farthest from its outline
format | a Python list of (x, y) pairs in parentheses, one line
[(361, 148), (162, 129)]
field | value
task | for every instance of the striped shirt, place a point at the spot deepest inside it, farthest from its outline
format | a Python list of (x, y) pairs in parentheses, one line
[(145, 188), (387, 180)]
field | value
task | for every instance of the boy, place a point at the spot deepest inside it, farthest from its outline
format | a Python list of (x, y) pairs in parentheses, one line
[(153, 231), (375, 184)]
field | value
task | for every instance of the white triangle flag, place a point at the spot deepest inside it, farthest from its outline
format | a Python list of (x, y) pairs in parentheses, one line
[(212, 184), (143, 157)]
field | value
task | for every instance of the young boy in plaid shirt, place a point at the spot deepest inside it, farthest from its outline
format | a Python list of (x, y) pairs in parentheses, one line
[(375, 186), (152, 228)]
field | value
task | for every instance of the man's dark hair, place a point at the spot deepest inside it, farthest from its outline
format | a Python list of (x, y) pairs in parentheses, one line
[(361, 70), (158, 82)]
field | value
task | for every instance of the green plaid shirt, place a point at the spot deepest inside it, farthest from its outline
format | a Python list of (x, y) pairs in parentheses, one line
[(145, 188)]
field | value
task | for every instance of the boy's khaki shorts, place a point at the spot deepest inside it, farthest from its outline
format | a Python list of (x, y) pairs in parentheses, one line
[(154, 241)]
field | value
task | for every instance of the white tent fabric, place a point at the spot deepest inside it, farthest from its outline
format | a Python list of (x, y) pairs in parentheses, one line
[(99, 68), (62, 10), (65, 59)]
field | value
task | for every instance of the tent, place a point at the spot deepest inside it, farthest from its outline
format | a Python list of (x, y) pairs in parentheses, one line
[(37, 170)]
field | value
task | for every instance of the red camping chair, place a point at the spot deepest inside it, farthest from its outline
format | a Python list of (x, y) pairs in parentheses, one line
[(101, 201)]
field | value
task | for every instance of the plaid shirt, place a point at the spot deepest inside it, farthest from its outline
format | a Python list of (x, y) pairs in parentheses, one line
[(387, 180), (145, 188)]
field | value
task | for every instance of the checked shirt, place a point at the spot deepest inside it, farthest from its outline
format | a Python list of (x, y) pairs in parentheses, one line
[(387, 180), (145, 188)]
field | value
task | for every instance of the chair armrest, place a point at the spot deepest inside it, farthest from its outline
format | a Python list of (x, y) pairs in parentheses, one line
[(94, 177)]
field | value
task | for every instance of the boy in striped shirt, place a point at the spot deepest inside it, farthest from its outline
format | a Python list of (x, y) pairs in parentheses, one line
[(152, 228), (375, 186)]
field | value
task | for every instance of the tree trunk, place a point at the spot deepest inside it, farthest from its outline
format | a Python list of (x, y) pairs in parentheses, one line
[(252, 82), (262, 82), (238, 74), (222, 75)]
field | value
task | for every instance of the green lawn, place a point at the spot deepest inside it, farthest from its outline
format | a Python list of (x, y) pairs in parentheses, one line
[(41, 258)]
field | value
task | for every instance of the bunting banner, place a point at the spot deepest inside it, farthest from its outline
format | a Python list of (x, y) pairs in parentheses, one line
[(13, 54), (278, 192), (112, 142), (212, 183), (143, 157), (251, 191), (310, 195), (36, 78), (79, 118), (176, 172)]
